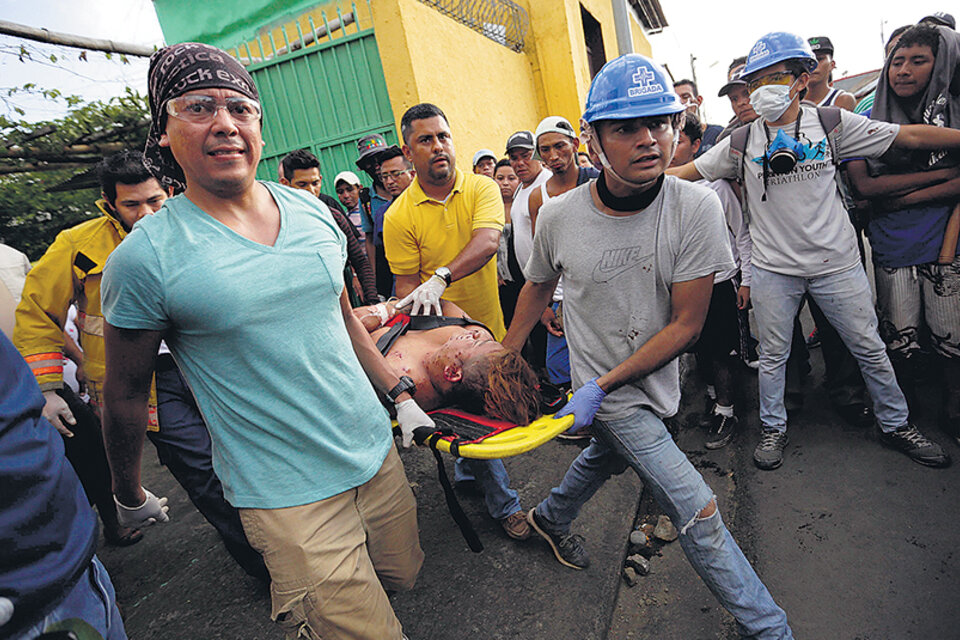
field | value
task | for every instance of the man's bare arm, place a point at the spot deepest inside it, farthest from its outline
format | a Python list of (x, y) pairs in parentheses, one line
[(483, 245), (846, 101), (534, 202), (944, 193), (406, 284), (927, 137), (533, 299), (689, 303), (130, 362), (894, 184), (685, 172), (373, 363)]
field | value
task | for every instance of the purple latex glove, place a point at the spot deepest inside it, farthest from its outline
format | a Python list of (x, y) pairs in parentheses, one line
[(583, 405)]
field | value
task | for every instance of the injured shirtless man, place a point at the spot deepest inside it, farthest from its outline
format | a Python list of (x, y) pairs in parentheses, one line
[(454, 360)]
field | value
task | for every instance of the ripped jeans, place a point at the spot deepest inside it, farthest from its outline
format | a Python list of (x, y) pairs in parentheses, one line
[(641, 441)]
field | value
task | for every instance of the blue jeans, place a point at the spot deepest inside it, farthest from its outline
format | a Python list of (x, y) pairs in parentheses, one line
[(846, 302), (92, 600), (558, 357), (491, 475), (641, 441)]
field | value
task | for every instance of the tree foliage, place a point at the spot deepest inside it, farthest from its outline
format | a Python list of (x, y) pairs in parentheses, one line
[(31, 216)]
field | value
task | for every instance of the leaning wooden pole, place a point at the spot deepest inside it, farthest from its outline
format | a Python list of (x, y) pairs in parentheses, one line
[(78, 42)]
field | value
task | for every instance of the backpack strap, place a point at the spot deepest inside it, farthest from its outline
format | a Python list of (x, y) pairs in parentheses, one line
[(738, 151), (832, 122), (738, 148)]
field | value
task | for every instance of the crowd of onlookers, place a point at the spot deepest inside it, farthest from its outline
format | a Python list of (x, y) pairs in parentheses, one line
[(262, 341)]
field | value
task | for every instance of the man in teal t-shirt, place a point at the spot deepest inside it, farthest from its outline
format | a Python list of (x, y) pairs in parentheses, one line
[(243, 280)]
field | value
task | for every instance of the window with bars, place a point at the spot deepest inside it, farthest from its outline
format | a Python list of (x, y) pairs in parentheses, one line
[(502, 21)]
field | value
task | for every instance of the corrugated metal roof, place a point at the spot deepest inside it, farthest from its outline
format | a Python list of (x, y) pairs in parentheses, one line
[(650, 14)]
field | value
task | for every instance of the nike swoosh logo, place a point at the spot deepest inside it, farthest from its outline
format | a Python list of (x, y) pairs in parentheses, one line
[(615, 262)]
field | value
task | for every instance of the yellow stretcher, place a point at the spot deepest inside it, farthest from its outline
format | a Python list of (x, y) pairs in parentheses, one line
[(509, 442), (466, 435)]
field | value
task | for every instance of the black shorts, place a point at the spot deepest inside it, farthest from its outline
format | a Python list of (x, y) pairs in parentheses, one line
[(720, 336)]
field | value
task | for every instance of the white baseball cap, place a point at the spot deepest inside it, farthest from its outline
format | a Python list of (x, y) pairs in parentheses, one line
[(347, 176), (552, 124), (483, 153)]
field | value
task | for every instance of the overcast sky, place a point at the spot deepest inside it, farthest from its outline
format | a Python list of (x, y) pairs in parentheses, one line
[(713, 31)]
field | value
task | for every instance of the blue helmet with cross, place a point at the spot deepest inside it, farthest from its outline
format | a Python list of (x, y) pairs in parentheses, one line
[(779, 46), (631, 86)]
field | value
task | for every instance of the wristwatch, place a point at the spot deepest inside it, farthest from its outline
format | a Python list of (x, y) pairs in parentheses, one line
[(444, 273), (406, 384)]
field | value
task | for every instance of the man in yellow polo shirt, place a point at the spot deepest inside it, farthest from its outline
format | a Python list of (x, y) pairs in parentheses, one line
[(441, 237)]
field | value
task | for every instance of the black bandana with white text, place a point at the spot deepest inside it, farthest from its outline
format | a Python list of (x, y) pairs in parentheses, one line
[(174, 71)]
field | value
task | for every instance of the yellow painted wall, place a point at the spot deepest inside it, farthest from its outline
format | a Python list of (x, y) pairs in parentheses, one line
[(487, 90), (640, 42)]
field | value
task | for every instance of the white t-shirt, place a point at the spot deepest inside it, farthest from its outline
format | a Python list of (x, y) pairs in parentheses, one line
[(802, 228), (544, 198), (520, 217), (69, 366), (739, 235), (14, 266), (618, 273)]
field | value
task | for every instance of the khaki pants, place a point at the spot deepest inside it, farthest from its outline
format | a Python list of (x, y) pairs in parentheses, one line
[(331, 560)]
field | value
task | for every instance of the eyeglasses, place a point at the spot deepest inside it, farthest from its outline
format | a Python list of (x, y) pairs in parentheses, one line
[(780, 77), (393, 175), (203, 109)]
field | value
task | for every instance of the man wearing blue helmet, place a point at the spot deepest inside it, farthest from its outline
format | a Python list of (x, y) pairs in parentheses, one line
[(804, 242), (644, 248)]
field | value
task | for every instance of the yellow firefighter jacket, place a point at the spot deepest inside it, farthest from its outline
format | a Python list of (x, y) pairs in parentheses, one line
[(70, 272)]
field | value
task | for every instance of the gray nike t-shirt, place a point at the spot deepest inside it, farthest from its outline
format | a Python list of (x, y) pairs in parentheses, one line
[(618, 272)]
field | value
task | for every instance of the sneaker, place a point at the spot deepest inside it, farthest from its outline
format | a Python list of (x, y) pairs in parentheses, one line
[(567, 548), (722, 430), (706, 418), (813, 340), (769, 452), (910, 441), (583, 434), (515, 525)]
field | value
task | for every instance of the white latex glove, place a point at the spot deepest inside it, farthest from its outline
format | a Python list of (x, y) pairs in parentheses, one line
[(6, 610), (410, 416), (58, 413), (425, 298), (152, 510)]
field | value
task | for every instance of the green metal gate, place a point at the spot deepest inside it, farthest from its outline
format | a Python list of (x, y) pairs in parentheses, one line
[(321, 90)]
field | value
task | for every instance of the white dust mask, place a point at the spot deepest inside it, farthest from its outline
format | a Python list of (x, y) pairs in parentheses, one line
[(771, 101)]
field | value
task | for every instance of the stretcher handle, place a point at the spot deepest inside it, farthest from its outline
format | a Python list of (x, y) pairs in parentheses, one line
[(420, 434)]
